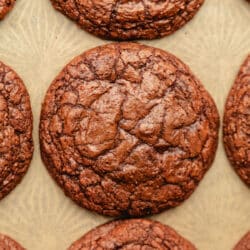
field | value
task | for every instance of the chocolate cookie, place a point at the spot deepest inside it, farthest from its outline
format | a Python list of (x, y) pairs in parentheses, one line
[(16, 145), (127, 20), (237, 123), (244, 243), (134, 234), (128, 130), (5, 7), (6, 243)]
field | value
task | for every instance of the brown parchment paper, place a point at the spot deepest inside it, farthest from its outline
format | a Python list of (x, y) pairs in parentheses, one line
[(36, 41)]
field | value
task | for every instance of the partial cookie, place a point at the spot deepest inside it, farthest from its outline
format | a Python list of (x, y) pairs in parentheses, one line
[(6, 243), (237, 123), (127, 20), (128, 130), (16, 145), (5, 7), (134, 234), (244, 243)]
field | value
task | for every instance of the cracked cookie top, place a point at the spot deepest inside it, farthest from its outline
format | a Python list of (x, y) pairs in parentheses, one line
[(128, 130), (6, 243), (134, 234), (16, 146), (127, 20), (5, 7), (237, 123)]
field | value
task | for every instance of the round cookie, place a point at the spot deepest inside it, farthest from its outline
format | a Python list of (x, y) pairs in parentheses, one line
[(16, 145), (128, 130), (5, 7), (244, 243), (6, 243), (134, 234), (237, 123), (127, 20)]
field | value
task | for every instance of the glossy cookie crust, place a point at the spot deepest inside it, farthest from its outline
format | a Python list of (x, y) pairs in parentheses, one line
[(6, 243), (16, 146), (237, 123), (128, 130), (244, 243), (128, 20), (134, 234)]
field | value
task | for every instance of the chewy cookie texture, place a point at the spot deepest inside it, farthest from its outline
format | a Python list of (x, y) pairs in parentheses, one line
[(6, 243), (127, 20), (5, 7), (128, 130), (16, 145), (244, 243), (237, 121), (136, 234)]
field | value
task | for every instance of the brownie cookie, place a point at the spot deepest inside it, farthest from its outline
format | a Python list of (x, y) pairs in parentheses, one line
[(16, 145), (128, 130), (244, 243), (127, 20), (134, 234), (237, 123), (6, 243), (5, 7)]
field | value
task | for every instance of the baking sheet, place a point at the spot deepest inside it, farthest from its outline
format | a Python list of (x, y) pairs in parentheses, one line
[(36, 41)]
